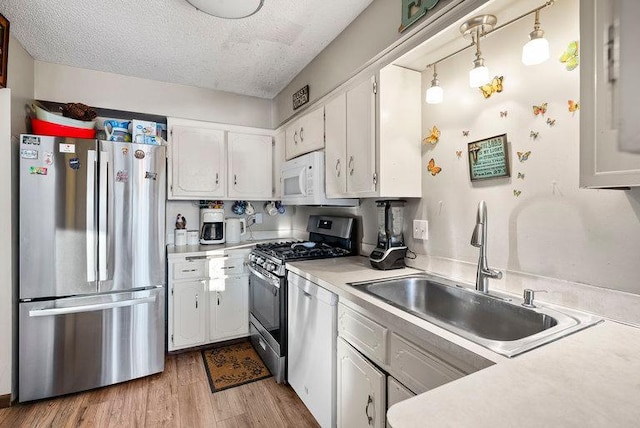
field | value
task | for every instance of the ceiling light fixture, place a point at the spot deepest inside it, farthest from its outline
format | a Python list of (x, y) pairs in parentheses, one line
[(434, 94), (476, 28), (536, 51), (228, 9)]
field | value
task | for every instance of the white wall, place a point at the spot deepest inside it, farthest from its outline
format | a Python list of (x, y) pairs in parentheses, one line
[(20, 84), (553, 229), (54, 82)]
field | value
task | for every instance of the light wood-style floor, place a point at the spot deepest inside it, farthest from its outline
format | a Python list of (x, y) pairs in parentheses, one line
[(178, 397)]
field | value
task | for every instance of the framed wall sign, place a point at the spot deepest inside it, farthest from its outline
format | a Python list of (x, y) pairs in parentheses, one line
[(301, 97), (488, 158), (4, 50)]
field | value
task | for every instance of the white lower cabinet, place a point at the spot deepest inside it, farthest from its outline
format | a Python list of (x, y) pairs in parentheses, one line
[(187, 309), (361, 390), (228, 311), (208, 299), (396, 392)]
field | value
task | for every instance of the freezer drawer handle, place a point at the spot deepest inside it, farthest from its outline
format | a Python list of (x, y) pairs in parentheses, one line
[(90, 308)]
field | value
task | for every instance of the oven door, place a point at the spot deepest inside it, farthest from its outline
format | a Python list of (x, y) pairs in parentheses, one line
[(267, 304)]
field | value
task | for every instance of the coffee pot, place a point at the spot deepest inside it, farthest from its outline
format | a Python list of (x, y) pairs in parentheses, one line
[(212, 230)]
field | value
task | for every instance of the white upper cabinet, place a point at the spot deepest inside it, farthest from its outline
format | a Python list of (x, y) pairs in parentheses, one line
[(305, 134), (602, 79), (217, 161), (629, 72), (373, 137), (198, 163), (250, 166)]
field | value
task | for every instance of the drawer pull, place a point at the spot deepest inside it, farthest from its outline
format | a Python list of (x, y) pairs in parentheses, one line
[(227, 267), (189, 270)]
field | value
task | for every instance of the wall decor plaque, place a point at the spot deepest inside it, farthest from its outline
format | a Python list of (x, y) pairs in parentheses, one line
[(301, 97), (488, 158), (413, 10)]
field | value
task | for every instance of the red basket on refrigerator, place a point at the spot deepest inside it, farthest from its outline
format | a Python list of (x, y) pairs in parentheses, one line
[(42, 127)]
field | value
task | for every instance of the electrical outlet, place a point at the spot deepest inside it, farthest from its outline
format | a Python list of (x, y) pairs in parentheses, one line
[(420, 229), (258, 218)]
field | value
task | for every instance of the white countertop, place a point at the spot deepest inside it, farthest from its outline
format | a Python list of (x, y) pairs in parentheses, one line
[(588, 379)]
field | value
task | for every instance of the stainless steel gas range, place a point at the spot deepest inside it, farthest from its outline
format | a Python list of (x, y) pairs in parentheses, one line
[(328, 237)]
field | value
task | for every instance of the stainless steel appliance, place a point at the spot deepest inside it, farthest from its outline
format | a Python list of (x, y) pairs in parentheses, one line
[(328, 237), (303, 182), (390, 251), (312, 337), (212, 230), (92, 264)]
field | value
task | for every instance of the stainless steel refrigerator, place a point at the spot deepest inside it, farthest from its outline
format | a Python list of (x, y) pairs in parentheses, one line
[(92, 264)]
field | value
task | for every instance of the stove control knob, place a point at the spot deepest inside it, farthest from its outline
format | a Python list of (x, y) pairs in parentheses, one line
[(270, 267), (252, 258)]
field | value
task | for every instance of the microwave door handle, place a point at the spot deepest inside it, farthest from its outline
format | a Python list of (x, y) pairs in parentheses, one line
[(102, 217), (91, 216)]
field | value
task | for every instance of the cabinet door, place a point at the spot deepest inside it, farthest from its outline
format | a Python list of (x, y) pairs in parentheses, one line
[(361, 390), (229, 314), (361, 139), (335, 112), (311, 131), (602, 164), (187, 310), (278, 160), (292, 140), (197, 163), (250, 166)]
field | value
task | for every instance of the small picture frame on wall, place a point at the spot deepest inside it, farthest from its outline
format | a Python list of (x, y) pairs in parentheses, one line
[(4, 50), (488, 158)]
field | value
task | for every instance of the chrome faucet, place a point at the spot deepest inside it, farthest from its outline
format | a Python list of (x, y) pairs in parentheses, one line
[(479, 239)]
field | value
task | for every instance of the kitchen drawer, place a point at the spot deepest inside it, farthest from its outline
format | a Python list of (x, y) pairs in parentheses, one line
[(219, 267), (416, 368), (189, 269), (364, 334)]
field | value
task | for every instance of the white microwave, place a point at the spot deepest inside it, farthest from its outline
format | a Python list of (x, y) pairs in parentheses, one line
[(302, 182)]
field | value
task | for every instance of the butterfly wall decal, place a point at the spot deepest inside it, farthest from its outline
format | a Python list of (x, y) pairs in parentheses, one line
[(573, 106), (465, 133), (521, 175), (434, 137), (570, 57), (492, 87), (551, 122), (516, 193), (541, 109), (534, 135), (523, 156), (459, 153), (433, 168), (503, 113)]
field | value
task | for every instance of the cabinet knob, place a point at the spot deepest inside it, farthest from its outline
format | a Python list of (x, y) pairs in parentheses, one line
[(235, 179), (351, 165), (337, 167), (217, 178), (301, 134), (295, 137)]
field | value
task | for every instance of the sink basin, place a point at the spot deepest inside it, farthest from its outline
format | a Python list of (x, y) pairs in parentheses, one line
[(497, 323)]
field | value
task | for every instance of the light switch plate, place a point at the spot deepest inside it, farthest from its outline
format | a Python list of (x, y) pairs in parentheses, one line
[(420, 229)]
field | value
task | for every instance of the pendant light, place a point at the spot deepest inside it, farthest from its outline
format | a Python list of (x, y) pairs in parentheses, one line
[(434, 94), (228, 9), (476, 28), (536, 51)]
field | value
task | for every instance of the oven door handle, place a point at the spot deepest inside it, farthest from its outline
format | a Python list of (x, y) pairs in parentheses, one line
[(273, 281)]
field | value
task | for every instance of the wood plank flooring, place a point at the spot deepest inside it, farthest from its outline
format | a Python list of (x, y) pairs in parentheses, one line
[(178, 397)]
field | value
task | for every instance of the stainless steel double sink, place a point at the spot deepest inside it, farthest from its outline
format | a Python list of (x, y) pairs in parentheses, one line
[(498, 323)]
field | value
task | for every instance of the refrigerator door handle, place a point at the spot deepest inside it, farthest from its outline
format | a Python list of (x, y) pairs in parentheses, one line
[(90, 308), (102, 218), (91, 217)]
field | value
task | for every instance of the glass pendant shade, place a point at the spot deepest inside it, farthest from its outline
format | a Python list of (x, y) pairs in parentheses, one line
[(434, 94), (536, 51), (478, 76), (229, 9)]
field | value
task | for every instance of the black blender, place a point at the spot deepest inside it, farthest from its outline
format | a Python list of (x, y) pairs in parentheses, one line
[(390, 251)]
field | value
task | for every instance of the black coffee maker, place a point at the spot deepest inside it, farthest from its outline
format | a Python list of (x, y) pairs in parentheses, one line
[(390, 251)]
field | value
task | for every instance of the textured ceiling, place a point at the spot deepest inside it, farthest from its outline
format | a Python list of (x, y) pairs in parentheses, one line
[(170, 41)]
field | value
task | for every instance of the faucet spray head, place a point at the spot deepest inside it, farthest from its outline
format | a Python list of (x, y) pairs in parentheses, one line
[(477, 238)]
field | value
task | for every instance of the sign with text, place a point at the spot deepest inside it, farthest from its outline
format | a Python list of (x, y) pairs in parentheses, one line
[(488, 158), (301, 97)]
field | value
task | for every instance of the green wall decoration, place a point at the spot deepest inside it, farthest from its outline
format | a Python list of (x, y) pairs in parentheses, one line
[(412, 10)]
